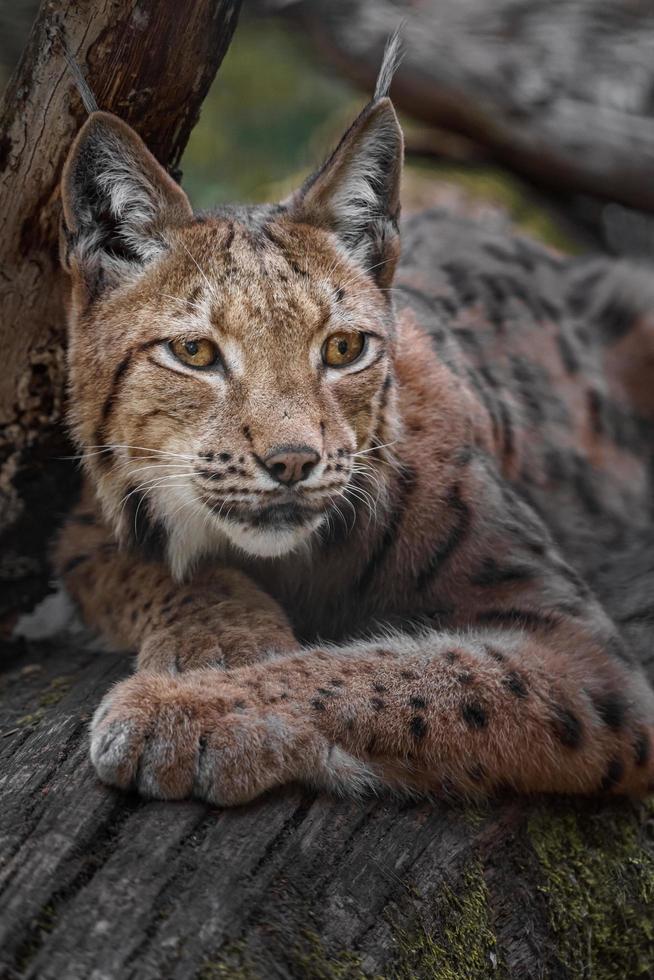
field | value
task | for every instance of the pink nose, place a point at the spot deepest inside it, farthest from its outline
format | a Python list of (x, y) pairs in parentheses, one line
[(291, 464)]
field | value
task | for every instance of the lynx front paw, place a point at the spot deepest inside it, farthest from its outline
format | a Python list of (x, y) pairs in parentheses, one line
[(167, 653), (198, 735)]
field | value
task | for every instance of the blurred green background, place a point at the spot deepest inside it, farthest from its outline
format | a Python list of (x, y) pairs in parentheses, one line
[(275, 110)]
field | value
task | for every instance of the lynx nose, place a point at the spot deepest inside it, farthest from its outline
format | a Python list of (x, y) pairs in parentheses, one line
[(291, 464)]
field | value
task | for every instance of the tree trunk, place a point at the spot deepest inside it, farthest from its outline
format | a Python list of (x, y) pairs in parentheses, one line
[(151, 63), (560, 91)]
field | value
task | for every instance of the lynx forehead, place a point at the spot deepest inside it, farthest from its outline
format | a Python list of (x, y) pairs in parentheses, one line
[(228, 372)]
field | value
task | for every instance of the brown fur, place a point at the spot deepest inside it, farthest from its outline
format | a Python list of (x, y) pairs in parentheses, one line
[(406, 617)]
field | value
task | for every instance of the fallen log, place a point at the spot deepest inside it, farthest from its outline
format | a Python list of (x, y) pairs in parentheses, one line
[(559, 92)]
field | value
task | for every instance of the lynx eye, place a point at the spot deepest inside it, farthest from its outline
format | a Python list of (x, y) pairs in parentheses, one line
[(343, 348), (200, 353)]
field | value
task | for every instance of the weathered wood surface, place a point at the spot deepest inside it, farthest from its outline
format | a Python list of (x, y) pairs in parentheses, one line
[(99, 886), (559, 91), (152, 64)]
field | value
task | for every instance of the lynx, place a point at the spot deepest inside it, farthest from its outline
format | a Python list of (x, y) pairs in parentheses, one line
[(325, 490)]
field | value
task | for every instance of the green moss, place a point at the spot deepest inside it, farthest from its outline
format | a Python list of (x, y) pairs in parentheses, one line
[(314, 962), (463, 948), (52, 694), (55, 691), (231, 963), (598, 869), (32, 719), (214, 970)]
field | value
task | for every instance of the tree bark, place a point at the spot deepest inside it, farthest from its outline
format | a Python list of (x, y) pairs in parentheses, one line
[(94, 883), (151, 63), (560, 91)]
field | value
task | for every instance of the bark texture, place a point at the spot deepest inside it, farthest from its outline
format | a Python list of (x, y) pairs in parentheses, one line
[(94, 884), (558, 91), (151, 63)]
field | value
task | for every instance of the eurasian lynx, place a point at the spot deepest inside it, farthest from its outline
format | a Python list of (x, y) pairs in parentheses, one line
[(314, 502)]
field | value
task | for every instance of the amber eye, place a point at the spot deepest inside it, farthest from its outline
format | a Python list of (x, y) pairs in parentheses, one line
[(343, 348), (200, 353)]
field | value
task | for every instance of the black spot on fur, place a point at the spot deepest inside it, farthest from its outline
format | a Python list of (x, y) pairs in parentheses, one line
[(567, 352), (406, 483), (497, 655), (73, 563), (325, 692), (520, 618), (514, 683), (379, 688), (417, 702), (616, 319), (477, 773), (451, 656), (596, 411), (567, 727), (474, 714), (465, 677), (617, 648), (461, 282), (612, 709), (613, 774), (82, 518), (318, 704), (378, 704), (454, 538), (642, 749), (409, 675), (418, 727), (148, 535), (492, 573)]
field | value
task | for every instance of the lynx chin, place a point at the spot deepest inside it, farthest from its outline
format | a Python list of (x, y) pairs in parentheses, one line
[(339, 503)]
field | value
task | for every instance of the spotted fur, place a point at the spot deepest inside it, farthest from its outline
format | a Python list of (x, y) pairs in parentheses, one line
[(419, 611)]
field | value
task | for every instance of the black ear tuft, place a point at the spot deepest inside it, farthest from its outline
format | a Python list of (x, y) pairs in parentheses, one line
[(116, 200), (390, 63)]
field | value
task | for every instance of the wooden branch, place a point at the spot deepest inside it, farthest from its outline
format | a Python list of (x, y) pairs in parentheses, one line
[(558, 91), (151, 63)]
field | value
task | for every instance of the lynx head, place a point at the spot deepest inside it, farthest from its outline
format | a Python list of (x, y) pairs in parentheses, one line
[(229, 374)]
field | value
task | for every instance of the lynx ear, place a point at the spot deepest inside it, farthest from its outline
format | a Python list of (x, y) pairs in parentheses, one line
[(116, 199), (356, 194)]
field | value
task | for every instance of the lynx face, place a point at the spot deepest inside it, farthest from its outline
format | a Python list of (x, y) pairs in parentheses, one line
[(226, 372)]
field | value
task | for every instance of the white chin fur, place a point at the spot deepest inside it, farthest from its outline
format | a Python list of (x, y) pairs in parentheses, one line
[(269, 543), (192, 537)]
